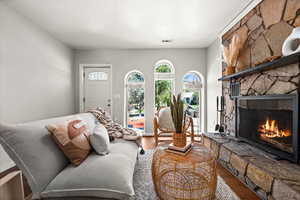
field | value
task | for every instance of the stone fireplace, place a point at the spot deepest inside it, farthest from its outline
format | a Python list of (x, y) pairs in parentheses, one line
[(261, 114), (267, 26), (280, 81), (270, 123)]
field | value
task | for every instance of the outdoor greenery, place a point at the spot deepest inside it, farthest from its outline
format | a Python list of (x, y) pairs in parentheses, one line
[(163, 90), (136, 99), (135, 94), (136, 77), (163, 69)]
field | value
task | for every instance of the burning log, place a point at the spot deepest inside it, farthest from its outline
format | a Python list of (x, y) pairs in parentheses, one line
[(283, 143), (270, 129), (270, 132)]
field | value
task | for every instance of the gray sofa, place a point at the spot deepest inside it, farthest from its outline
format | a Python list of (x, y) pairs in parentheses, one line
[(51, 176)]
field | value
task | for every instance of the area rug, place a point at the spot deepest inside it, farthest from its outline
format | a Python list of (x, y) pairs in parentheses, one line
[(144, 188)]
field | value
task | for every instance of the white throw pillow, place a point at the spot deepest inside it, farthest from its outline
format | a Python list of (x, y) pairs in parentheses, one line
[(165, 119), (100, 140)]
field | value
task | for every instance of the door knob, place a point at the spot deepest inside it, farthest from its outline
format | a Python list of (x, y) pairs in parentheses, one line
[(108, 105)]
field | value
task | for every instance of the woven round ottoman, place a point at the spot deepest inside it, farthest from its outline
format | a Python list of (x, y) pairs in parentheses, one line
[(189, 177)]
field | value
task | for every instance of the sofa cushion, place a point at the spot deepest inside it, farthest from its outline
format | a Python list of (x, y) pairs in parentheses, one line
[(30, 146), (72, 140), (108, 176)]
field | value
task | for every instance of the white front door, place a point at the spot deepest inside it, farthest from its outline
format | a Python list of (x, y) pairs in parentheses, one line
[(97, 88)]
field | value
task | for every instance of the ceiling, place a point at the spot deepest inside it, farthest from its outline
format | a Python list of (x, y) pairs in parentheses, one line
[(90, 24)]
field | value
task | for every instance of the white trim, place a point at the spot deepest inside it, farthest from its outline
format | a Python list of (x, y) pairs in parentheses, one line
[(125, 97), (81, 82), (245, 10), (203, 97)]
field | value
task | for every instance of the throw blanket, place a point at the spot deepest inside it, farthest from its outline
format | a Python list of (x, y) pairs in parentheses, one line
[(114, 129)]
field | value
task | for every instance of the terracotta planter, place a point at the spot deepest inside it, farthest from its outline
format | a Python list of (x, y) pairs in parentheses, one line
[(230, 70), (179, 139)]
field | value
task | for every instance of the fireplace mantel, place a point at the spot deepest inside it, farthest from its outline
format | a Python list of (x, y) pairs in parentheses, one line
[(281, 62)]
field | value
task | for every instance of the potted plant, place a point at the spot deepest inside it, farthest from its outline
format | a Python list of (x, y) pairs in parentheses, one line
[(178, 118)]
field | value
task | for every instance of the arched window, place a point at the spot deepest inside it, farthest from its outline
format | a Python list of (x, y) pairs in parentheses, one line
[(135, 101), (192, 96), (164, 83)]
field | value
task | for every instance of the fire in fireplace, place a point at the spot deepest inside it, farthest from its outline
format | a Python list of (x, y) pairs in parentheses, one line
[(269, 132), (270, 122)]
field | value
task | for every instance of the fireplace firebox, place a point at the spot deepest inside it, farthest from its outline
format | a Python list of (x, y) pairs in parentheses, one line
[(270, 123)]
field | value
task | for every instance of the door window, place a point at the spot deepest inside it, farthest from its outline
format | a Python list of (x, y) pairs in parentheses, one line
[(97, 76)]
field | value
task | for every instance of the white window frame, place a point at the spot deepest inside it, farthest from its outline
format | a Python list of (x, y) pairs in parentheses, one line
[(202, 96), (163, 76), (125, 122)]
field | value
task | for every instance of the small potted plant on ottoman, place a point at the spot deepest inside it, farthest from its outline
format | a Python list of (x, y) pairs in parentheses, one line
[(178, 118)]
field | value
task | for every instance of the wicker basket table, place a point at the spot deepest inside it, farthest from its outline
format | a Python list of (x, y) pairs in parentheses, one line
[(190, 177)]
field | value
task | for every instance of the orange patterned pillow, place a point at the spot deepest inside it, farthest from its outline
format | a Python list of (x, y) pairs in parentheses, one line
[(73, 139)]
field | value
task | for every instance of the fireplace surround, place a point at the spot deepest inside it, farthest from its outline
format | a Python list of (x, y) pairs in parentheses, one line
[(270, 123)]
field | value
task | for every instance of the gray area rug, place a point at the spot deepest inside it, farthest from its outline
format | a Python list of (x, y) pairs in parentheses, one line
[(144, 188)]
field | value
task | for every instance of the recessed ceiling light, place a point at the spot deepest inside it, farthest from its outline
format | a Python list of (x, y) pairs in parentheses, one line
[(167, 41)]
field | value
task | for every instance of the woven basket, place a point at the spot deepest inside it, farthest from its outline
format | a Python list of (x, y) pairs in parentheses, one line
[(179, 139)]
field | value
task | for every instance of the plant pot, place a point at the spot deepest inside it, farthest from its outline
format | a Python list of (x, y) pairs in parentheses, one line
[(179, 139), (230, 70)]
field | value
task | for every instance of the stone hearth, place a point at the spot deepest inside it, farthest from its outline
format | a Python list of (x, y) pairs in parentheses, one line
[(269, 178)]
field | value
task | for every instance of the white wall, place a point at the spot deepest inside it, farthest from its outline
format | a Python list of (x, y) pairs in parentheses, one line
[(36, 73), (214, 87), (122, 61)]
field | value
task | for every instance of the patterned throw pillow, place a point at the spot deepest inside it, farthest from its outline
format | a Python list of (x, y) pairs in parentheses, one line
[(72, 137)]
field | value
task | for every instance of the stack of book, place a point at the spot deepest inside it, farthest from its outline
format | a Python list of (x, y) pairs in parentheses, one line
[(180, 150)]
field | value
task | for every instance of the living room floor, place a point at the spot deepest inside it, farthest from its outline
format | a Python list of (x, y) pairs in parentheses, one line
[(237, 186)]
